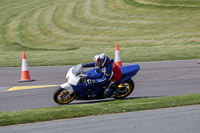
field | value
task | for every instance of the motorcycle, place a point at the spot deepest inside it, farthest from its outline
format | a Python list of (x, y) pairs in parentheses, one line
[(77, 87)]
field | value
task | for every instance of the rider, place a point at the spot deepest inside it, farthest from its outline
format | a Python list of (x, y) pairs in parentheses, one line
[(112, 73)]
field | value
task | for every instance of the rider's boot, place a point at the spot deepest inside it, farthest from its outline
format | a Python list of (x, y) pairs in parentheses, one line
[(110, 89)]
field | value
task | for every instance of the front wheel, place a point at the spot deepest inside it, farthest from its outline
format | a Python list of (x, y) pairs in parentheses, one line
[(62, 96), (124, 89)]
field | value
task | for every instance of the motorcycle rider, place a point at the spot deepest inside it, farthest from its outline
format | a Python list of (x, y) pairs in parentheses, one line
[(112, 73)]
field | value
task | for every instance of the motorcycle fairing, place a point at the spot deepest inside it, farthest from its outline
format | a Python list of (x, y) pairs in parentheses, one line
[(68, 87), (83, 90), (128, 72), (94, 73)]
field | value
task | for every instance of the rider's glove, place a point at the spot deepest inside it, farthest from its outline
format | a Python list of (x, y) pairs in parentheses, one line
[(89, 81), (83, 65)]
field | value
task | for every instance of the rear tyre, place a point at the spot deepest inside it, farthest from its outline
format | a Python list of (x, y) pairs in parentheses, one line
[(124, 89), (62, 96)]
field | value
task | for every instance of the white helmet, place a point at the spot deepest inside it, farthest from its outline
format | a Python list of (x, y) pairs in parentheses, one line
[(100, 60)]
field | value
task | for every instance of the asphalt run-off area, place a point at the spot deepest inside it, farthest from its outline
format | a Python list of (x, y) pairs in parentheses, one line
[(155, 79)]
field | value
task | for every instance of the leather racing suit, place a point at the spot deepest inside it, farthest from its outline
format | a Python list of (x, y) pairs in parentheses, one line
[(112, 72)]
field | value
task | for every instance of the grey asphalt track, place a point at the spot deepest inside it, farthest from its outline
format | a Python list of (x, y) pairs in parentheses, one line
[(172, 120), (155, 79)]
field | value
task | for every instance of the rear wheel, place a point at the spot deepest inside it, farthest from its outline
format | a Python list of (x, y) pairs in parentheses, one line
[(124, 89), (62, 96)]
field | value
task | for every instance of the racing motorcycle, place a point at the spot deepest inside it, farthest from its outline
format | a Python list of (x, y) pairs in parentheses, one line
[(78, 87)]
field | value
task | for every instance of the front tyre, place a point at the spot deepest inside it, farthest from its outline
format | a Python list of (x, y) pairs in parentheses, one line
[(62, 96), (124, 89)]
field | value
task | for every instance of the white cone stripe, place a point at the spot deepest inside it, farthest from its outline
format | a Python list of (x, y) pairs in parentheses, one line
[(117, 56), (24, 65)]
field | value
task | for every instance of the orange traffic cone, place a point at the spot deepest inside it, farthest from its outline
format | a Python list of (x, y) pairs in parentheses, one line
[(25, 77), (117, 56)]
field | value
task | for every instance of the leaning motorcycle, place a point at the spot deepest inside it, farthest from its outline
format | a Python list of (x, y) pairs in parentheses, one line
[(77, 87)]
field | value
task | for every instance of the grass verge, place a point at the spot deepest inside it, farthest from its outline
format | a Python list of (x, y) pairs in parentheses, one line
[(67, 32), (116, 106)]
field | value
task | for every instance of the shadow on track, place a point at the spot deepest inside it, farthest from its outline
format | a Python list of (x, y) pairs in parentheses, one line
[(90, 101)]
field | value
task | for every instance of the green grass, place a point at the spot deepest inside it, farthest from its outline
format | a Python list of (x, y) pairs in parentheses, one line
[(73, 111), (61, 32)]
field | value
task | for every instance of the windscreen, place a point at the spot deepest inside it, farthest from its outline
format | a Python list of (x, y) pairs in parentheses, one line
[(77, 70)]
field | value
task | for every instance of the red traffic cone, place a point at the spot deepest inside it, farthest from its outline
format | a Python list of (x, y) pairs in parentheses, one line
[(117, 56), (25, 77)]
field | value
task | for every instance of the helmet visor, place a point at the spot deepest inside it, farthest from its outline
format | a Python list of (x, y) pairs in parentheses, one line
[(97, 63)]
